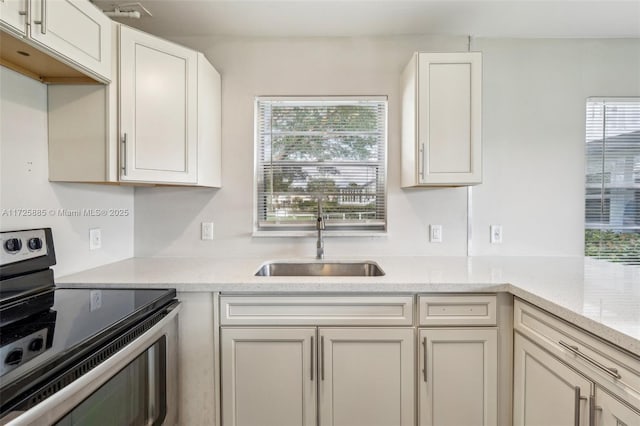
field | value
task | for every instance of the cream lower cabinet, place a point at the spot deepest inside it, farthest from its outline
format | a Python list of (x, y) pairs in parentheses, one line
[(366, 377), (546, 391), (457, 382), (362, 376), (317, 360), (564, 376), (268, 376)]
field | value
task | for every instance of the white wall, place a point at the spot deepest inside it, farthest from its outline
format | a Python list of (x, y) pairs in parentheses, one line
[(24, 184), (534, 134), (534, 94)]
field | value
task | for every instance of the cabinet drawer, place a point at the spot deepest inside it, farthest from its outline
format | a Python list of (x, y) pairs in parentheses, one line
[(311, 310), (604, 363), (457, 310)]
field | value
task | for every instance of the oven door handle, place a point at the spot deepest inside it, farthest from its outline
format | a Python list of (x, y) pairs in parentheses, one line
[(62, 402)]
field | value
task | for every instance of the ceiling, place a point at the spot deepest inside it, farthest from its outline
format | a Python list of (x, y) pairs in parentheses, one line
[(313, 18)]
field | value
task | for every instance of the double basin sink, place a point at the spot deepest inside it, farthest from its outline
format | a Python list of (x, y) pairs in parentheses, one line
[(320, 268)]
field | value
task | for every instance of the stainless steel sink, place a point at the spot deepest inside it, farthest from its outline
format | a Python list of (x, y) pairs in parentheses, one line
[(320, 269)]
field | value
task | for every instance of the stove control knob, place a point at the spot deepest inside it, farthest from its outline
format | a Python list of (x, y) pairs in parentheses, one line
[(14, 357), (36, 344), (13, 245), (34, 243)]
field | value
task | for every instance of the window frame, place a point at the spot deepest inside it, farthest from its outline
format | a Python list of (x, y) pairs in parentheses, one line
[(602, 197), (307, 231)]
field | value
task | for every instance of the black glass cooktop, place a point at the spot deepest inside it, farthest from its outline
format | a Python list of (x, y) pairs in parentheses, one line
[(63, 326)]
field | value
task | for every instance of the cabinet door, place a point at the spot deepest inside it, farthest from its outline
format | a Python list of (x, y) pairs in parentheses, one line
[(545, 390), (13, 16), (366, 376), (609, 411), (449, 118), (76, 30), (458, 377), (158, 109), (268, 376)]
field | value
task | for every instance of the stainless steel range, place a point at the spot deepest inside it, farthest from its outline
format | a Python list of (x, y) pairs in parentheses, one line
[(81, 356)]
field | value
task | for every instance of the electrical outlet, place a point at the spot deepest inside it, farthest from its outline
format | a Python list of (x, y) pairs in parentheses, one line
[(206, 232), (496, 234), (96, 299), (95, 238), (435, 233)]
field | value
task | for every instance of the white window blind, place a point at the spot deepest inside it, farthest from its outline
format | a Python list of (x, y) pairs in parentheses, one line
[(612, 201), (333, 149)]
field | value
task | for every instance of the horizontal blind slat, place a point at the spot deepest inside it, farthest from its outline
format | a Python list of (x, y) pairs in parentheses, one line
[(612, 191), (336, 148)]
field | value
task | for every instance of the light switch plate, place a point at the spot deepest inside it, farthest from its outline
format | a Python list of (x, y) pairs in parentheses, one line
[(496, 234)]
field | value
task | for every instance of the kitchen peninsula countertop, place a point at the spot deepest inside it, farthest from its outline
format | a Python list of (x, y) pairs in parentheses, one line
[(600, 297)]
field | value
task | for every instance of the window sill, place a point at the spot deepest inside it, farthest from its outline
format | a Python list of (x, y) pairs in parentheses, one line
[(309, 234)]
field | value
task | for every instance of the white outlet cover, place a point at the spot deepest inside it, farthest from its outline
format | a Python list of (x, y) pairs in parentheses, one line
[(435, 233), (206, 231), (95, 238)]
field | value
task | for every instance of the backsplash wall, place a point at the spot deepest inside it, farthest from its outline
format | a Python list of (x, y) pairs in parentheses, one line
[(24, 185), (533, 117)]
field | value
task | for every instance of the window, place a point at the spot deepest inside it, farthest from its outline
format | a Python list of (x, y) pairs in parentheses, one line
[(612, 200), (333, 149)]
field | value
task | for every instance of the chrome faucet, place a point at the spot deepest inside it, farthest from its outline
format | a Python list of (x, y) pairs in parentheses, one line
[(320, 228)]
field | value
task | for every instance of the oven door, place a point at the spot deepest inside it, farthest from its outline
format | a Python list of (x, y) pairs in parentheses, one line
[(135, 386)]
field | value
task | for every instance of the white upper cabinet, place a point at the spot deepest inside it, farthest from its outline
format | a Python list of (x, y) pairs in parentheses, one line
[(13, 16), (73, 32), (158, 109), (158, 123), (441, 120)]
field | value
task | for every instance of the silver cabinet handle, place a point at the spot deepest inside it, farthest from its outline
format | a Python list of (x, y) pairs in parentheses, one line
[(43, 17), (322, 358), (578, 400), (421, 163), (124, 155), (613, 372), (424, 369), (311, 358)]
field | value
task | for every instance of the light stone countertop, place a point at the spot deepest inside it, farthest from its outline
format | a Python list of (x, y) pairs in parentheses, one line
[(600, 297)]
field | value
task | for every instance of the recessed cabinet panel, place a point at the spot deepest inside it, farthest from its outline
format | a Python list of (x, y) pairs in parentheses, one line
[(459, 385), (546, 391), (158, 109), (448, 119), (160, 100), (366, 377), (268, 377)]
